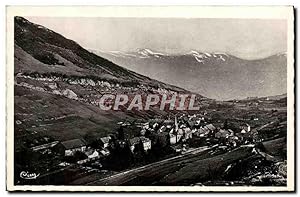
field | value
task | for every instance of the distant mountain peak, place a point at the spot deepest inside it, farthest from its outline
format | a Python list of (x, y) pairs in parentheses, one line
[(148, 53), (202, 56), (221, 53), (282, 54), (192, 52)]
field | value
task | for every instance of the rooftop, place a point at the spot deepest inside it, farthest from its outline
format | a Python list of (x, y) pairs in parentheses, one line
[(105, 139), (75, 143)]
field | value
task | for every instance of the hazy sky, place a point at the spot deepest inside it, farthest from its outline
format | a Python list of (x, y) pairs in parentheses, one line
[(245, 38)]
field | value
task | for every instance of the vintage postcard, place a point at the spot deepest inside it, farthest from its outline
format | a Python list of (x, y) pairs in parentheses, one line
[(165, 99)]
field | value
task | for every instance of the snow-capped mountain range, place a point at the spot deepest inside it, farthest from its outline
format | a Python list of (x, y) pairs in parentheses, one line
[(200, 57), (139, 53), (215, 75)]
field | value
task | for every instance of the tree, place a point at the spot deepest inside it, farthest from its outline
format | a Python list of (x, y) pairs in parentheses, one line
[(121, 135), (225, 126)]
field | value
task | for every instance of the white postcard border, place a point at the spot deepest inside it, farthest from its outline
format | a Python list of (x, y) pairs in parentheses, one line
[(264, 12)]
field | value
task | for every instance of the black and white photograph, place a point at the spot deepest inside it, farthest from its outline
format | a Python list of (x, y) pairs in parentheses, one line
[(155, 98)]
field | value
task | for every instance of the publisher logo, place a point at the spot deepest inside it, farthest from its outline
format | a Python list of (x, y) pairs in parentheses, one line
[(28, 175)]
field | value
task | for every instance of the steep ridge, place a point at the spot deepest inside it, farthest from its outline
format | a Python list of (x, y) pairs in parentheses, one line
[(58, 83)]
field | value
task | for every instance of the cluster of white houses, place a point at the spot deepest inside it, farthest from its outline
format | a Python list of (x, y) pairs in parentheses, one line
[(181, 131), (173, 132)]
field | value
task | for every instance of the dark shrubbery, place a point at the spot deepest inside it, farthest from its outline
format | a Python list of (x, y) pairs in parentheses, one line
[(76, 157), (47, 58)]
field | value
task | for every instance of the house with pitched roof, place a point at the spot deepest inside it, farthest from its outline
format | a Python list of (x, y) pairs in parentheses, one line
[(69, 147), (211, 127), (222, 133), (104, 141), (146, 143), (245, 128)]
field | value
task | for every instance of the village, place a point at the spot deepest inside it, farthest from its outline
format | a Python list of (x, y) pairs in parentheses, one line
[(157, 139), (137, 141)]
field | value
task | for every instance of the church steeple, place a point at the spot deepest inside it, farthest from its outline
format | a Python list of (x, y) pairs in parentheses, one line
[(176, 124)]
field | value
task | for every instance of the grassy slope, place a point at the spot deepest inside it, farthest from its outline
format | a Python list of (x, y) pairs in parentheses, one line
[(40, 50)]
